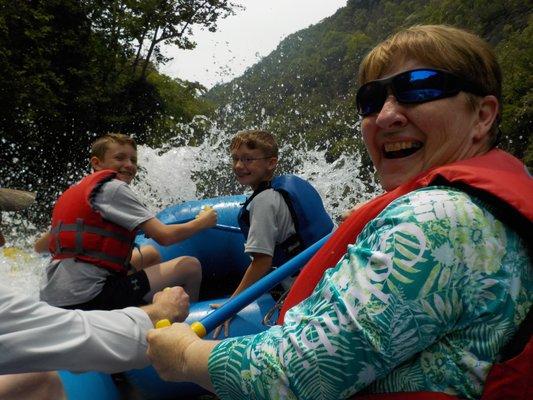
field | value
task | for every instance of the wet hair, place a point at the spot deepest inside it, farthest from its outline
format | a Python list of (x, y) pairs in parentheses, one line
[(444, 47), (101, 145), (256, 139)]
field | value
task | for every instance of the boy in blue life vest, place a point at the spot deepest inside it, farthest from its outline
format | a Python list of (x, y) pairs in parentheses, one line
[(282, 217), (94, 223)]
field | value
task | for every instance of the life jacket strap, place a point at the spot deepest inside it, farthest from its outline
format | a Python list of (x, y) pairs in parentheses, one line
[(79, 227), (74, 252)]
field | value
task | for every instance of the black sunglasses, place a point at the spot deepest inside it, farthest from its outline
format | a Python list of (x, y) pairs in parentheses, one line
[(411, 87)]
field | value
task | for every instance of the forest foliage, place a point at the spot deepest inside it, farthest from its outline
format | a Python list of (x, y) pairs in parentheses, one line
[(306, 87), (73, 70)]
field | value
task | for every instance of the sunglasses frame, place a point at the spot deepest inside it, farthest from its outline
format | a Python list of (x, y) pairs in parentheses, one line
[(452, 85), (247, 160)]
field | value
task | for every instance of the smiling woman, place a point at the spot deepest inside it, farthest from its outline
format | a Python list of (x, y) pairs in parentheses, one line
[(434, 130), (435, 116), (420, 289)]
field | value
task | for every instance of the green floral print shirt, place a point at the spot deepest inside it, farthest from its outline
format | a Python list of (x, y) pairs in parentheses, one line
[(423, 301)]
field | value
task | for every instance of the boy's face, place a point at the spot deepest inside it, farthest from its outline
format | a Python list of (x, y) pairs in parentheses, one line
[(251, 166), (118, 157)]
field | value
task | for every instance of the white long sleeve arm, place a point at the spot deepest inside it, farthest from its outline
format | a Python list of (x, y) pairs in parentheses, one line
[(35, 336)]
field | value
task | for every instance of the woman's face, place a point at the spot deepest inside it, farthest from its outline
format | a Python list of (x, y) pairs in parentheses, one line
[(404, 140)]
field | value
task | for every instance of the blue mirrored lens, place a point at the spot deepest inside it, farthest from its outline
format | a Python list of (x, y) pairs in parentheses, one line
[(419, 95), (422, 85)]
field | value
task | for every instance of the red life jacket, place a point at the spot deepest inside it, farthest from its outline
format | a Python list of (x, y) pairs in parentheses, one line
[(78, 231), (496, 174)]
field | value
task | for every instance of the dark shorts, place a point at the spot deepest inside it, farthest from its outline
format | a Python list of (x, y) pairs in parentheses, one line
[(119, 291)]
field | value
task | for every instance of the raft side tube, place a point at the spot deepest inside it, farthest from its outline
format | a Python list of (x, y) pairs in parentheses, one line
[(219, 249), (89, 386)]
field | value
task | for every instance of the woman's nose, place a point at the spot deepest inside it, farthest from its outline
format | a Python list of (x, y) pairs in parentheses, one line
[(391, 114)]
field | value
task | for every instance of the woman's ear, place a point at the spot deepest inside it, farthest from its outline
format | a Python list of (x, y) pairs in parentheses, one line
[(487, 112)]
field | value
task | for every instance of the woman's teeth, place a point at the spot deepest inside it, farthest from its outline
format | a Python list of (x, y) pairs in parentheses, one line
[(401, 149)]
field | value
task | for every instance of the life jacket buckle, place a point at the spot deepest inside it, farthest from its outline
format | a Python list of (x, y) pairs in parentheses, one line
[(268, 318)]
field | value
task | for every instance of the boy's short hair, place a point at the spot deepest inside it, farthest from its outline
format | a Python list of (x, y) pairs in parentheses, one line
[(256, 139), (100, 145)]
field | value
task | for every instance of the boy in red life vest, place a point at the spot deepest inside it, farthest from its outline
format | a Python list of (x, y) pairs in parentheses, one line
[(91, 239)]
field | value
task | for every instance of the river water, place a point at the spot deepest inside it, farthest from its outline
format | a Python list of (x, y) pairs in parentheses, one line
[(171, 175)]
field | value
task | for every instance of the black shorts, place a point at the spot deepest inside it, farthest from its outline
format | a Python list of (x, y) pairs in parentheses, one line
[(119, 291)]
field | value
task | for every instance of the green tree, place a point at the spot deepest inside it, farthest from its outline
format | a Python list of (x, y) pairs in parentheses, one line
[(170, 22), (67, 77)]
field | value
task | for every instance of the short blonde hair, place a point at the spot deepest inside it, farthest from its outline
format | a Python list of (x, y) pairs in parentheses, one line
[(256, 139), (439, 46), (101, 145)]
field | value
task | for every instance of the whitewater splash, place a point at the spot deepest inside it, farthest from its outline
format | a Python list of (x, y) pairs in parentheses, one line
[(174, 174)]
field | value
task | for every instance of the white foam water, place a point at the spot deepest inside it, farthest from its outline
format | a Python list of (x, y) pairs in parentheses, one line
[(171, 175)]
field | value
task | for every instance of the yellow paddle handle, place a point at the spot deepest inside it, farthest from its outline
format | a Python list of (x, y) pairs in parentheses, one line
[(162, 323), (197, 326), (208, 207), (199, 329)]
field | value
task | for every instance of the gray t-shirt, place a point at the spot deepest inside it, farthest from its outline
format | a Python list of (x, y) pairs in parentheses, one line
[(68, 282), (270, 222)]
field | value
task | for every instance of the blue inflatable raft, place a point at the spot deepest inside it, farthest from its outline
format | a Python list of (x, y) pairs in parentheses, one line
[(220, 251)]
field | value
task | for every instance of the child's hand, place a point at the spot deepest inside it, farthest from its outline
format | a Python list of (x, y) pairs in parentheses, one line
[(224, 325), (208, 216)]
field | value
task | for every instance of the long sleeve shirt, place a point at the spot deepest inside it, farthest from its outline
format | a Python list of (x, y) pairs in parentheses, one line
[(35, 336), (424, 299)]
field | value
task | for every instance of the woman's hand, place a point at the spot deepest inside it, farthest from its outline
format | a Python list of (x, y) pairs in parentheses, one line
[(167, 348), (179, 355)]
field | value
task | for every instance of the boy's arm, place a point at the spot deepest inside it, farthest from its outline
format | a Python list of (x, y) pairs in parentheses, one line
[(169, 234), (41, 245), (258, 268)]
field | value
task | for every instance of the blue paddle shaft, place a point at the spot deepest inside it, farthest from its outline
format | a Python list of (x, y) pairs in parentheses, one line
[(237, 303)]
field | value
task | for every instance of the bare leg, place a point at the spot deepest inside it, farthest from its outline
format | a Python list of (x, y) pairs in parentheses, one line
[(182, 271), (145, 257), (31, 386)]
